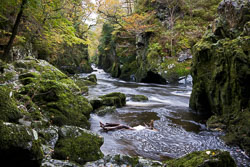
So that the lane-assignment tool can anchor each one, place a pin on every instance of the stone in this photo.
(184, 55)
(19, 146)
(114, 99)
(105, 110)
(78, 145)
(208, 158)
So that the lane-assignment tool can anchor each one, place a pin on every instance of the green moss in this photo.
(220, 72)
(128, 69)
(139, 98)
(209, 158)
(81, 149)
(8, 106)
(173, 70)
(18, 146)
(115, 70)
(82, 85)
(53, 92)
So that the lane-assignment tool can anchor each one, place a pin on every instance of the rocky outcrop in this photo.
(42, 117)
(221, 73)
(208, 158)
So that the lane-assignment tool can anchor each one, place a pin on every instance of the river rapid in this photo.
(179, 130)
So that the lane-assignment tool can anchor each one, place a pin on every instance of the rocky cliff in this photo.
(221, 73)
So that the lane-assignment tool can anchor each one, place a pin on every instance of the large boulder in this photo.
(19, 146)
(56, 96)
(209, 158)
(221, 73)
(78, 145)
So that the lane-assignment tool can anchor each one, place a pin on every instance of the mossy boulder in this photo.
(114, 99)
(221, 73)
(57, 96)
(78, 145)
(139, 98)
(96, 103)
(209, 158)
(59, 103)
(19, 146)
(8, 106)
(105, 110)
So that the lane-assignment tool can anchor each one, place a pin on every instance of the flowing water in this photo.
(178, 129)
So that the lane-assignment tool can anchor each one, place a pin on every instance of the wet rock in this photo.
(186, 80)
(184, 55)
(114, 99)
(58, 163)
(139, 98)
(123, 161)
(96, 103)
(105, 110)
(209, 158)
(92, 78)
(19, 146)
(78, 145)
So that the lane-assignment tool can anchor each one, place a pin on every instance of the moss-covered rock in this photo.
(105, 110)
(139, 98)
(114, 99)
(19, 146)
(209, 158)
(124, 160)
(56, 96)
(8, 106)
(96, 103)
(221, 73)
(78, 145)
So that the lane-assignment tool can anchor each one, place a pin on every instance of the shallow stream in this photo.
(179, 130)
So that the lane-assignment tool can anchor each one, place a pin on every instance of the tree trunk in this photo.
(14, 32)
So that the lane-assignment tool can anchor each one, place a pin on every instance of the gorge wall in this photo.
(221, 73)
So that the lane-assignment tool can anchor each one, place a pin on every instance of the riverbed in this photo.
(178, 130)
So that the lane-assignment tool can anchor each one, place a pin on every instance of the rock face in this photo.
(221, 72)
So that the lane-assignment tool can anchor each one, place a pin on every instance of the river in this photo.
(179, 130)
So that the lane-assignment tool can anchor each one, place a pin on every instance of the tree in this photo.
(173, 7)
(14, 31)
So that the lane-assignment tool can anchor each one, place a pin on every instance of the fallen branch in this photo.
(112, 126)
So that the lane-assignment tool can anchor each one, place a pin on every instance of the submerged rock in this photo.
(139, 98)
(19, 146)
(209, 158)
(105, 110)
